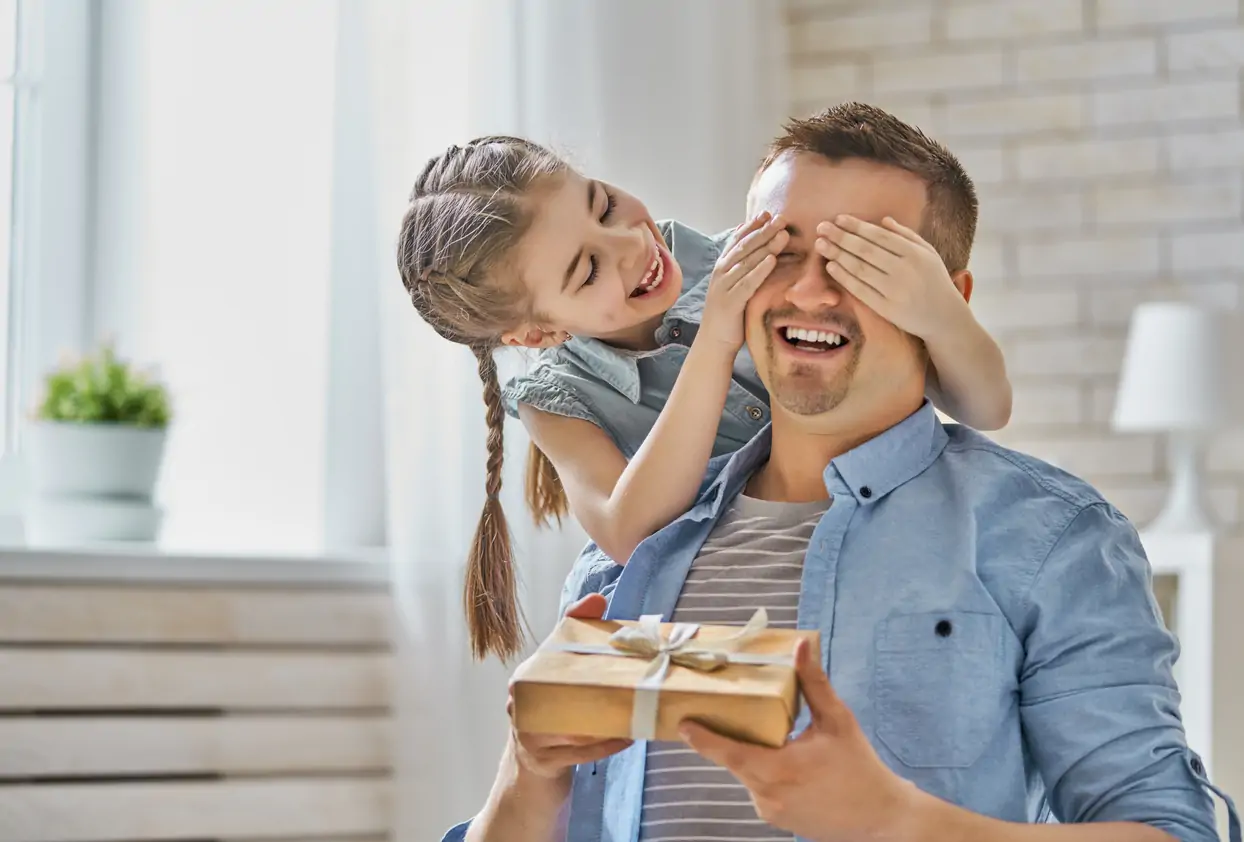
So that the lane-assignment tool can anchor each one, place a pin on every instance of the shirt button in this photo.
(866, 492)
(755, 413)
(1198, 766)
(943, 628)
(675, 332)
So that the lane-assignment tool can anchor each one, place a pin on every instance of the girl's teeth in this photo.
(652, 279)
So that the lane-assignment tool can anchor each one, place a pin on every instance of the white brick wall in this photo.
(1107, 140)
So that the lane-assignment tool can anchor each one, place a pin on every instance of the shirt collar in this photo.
(884, 462)
(868, 472)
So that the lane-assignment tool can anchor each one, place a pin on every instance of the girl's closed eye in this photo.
(611, 202)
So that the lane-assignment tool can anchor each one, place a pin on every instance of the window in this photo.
(213, 243)
(203, 217)
(18, 122)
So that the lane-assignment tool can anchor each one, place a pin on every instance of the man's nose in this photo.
(814, 289)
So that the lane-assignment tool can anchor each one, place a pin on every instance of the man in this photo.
(991, 653)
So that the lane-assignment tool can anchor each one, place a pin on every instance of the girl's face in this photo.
(593, 264)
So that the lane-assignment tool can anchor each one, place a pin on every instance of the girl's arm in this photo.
(620, 504)
(967, 375)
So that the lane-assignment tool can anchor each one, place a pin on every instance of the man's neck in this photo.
(802, 448)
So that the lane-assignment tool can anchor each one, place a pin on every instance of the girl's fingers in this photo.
(754, 240)
(750, 282)
(906, 233)
(865, 294)
(756, 222)
(882, 259)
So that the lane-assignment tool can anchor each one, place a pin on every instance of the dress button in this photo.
(943, 628)
(675, 332)
(755, 413)
(866, 492)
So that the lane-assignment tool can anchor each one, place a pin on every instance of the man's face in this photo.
(874, 365)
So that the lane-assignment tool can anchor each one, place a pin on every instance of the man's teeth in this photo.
(654, 275)
(821, 336)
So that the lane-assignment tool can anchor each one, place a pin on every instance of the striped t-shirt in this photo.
(753, 558)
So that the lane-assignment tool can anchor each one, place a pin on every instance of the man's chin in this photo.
(809, 399)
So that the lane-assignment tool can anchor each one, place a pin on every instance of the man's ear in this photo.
(530, 336)
(963, 282)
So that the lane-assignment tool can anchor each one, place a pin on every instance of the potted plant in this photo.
(95, 447)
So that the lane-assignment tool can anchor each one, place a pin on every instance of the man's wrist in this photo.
(523, 804)
(518, 783)
(922, 817)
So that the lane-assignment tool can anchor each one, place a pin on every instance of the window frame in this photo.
(53, 183)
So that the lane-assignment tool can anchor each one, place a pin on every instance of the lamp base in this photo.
(1183, 511)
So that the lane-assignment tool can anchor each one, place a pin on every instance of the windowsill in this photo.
(153, 563)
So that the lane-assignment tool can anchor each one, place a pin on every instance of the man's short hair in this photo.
(855, 130)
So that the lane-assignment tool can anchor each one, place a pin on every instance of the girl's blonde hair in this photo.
(468, 210)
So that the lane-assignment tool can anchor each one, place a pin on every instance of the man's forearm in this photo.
(522, 808)
(934, 820)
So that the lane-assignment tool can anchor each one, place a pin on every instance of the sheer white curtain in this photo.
(672, 100)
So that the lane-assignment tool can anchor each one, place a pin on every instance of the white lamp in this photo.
(1172, 382)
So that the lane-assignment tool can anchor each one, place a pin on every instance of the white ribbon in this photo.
(645, 641)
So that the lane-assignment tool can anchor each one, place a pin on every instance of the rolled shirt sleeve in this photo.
(1098, 701)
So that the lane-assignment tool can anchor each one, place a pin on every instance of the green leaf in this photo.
(103, 389)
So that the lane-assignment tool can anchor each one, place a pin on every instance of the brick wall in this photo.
(1107, 140)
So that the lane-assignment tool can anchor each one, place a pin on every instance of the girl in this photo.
(640, 380)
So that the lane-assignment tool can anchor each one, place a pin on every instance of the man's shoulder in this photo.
(1031, 516)
(1012, 476)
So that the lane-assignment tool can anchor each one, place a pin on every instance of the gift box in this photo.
(640, 679)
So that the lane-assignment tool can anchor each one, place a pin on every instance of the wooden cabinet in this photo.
(139, 709)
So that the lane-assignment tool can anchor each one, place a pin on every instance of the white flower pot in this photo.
(78, 521)
(111, 460)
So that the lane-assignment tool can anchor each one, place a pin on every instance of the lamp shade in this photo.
(1172, 376)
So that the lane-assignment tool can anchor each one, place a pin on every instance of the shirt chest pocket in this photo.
(937, 681)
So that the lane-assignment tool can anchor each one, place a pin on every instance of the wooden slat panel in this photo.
(90, 614)
(33, 747)
(64, 679)
(231, 809)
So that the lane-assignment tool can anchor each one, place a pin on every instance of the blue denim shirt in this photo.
(1051, 697)
(623, 392)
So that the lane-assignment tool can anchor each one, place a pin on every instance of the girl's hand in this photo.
(742, 268)
(894, 272)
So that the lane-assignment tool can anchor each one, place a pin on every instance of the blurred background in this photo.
(213, 188)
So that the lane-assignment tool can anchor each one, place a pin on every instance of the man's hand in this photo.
(550, 756)
(893, 271)
(528, 798)
(827, 784)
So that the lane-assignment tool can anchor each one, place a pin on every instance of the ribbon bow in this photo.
(646, 641)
